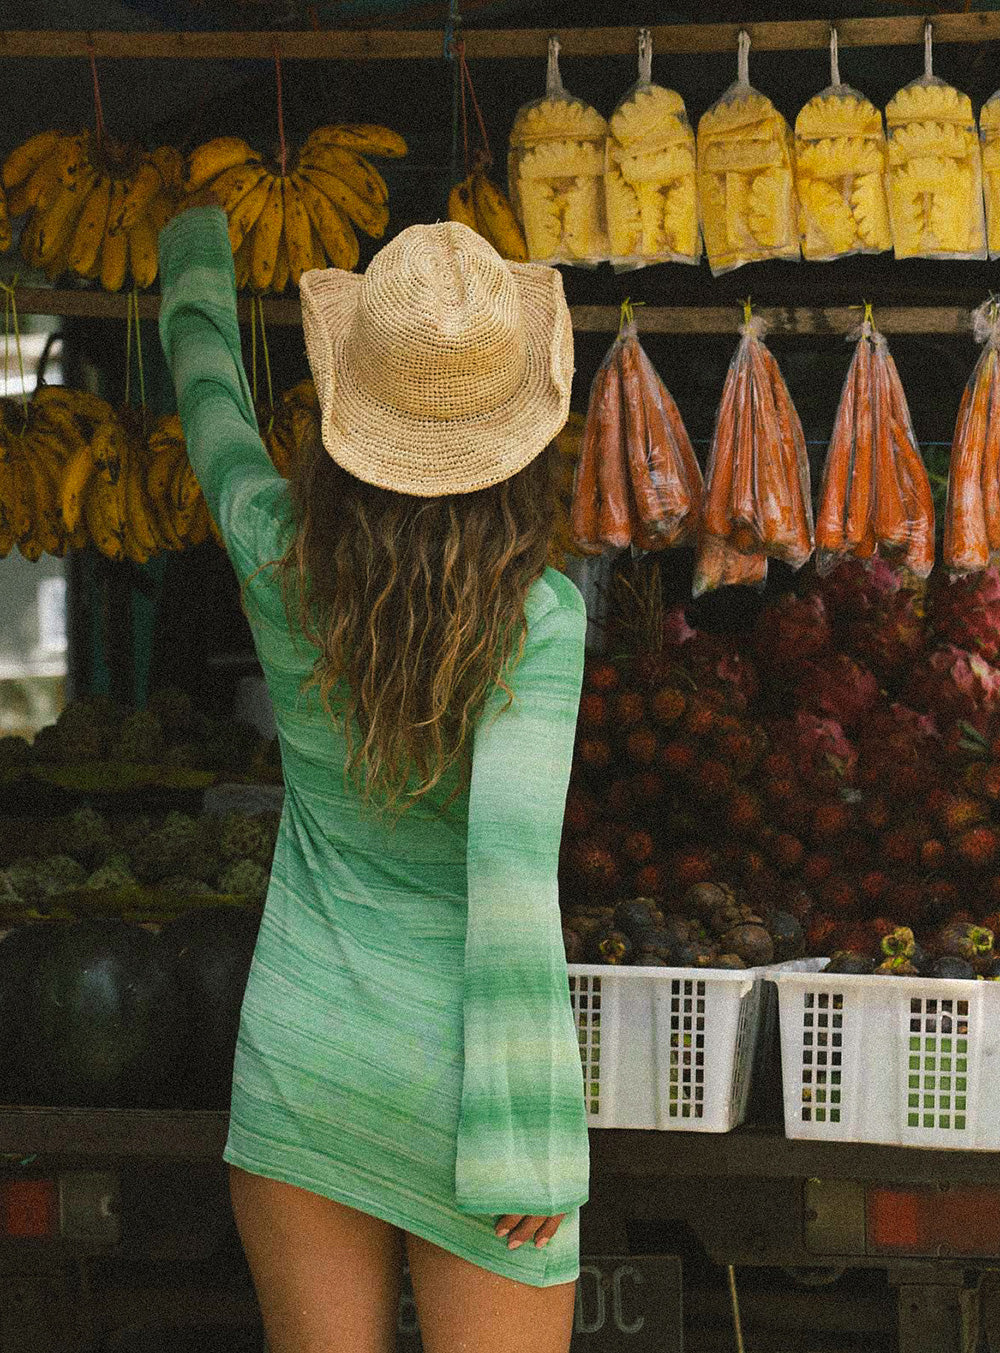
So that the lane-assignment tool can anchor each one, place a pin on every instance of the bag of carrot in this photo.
(972, 509)
(875, 494)
(637, 480)
(757, 495)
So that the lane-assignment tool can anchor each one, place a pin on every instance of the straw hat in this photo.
(443, 368)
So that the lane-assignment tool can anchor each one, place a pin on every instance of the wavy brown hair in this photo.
(417, 606)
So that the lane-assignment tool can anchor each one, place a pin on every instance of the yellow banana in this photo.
(57, 222)
(6, 512)
(372, 218)
(39, 185)
(24, 159)
(183, 496)
(75, 158)
(318, 251)
(366, 137)
(241, 264)
(232, 186)
(143, 258)
(244, 218)
(140, 537)
(496, 219)
(266, 235)
(334, 230)
(89, 229)
(461, 207)
(352, 168)
(161, 462)
(170, 162)
(48, 523)
(104, 513)
(206, 162)
(114, 248)
(160, 210)
(282, 268)
(75, 477)
(298, 234)
(200, 524)
(147, 182)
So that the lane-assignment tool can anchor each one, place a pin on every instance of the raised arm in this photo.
(522, 1140)
(200, 335)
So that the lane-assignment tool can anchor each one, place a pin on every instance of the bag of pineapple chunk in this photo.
(649, 176)
(745, 190)
(989, 137)
(555, 167)
(840, 163)
(935, 170)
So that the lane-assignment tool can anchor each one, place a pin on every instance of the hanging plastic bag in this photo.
(746, 193)
(875, 495)
(972, 509)
(637, 480)
(556, 174)
(840, 165)
(935, 170)
(757, 496)
(989, 137)
(649, 178)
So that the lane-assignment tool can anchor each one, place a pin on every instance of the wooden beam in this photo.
(423, 44)
(653, 319)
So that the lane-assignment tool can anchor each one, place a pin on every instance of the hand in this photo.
(539, 1229)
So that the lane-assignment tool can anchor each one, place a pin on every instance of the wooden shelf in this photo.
(498, 43)
(665, 319)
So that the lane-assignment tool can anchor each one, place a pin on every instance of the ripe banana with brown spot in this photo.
(371, 217)
(232, 186)
(366, 137)
(114, 248)
(244, 217)
(170, 162)
(207, 161)
(334, 230)
(90, 226)
(40, 184)
(161, 463)
(47, 526)
(148, 181)
(266, 237)
(461, 206)
(496, 220)
(140, 537)
(297, 240)
(24, 159)
(75, 478)
(143, 257)
(351, 168)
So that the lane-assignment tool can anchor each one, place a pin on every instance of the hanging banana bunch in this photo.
(96, 204)
(179, 512)
(283, 223)
(296, 414)
(478, 203)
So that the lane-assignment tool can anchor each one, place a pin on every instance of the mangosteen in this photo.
(961, 939)
(731, 915)
(725, 961)
(751, 942)
(678, 930)
(947, 965)
(990, 970)
(920, 959)
(636, 916)
(787, 936)
(687, 955)
(646, 960)
(656, 940)
(584, 920)
(573, 944)
(608, 945)
(897, 967)
(703, 899)
(846, 962)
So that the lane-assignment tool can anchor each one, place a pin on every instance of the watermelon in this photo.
(105, 1020)
(211, 948)
(20, 951)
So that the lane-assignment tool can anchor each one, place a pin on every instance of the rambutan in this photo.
(628, 709)
(960, 812)
(787, 851)
(638, 847)
(933, 854)
(941, 899)
(874, 885)
(602, 677)
(876, 813)
(650, 881)
(777, 766)
(618, 798)
(581, 810)
(854, 937)
(595, 752)
(678, 756)
(854, 852)
(667, 704)
(641, 746)
(837, 894)
(990, 788)
(819, 935)
(691, 864)
(900, 845)
(700, 717)
(830, 819)
(713, 779)
(905, 900)
(778, 791)
(816, 868)
(595, 867)
(881, 926)
(648, 788)
(977, 848)
(744, 811)
(593, 710)
(740, 749)
(753, 863)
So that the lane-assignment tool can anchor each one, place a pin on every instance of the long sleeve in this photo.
(200, 335)
(522, 1139)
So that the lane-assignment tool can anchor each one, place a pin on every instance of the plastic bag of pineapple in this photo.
(745, 189)
(935, 170)
(989, 137)
(840, 167)
(555, 168)
(649, 175)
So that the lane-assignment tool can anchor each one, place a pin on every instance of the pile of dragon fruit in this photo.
(839, 762)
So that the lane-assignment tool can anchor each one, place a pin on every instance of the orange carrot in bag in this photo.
(649, 508)
(794, 465)
(613, 525)
(719, 477)
(586, 487)
(673, 465)
(915, 485)
(990, 476)
(889, 517)
(831, 519)
(743, 498)
(966, 544)
(772, 511)
(859, 536)
(718, 564)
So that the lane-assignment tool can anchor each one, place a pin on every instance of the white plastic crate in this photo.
(668, 1048)
(905, 1061)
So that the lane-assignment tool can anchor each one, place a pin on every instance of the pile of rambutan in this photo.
(839, 761)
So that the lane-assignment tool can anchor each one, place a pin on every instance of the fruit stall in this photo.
(780, 497)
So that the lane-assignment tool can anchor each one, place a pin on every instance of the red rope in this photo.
(460, 49)
(281, 116)
(467, 80)
(313, 17)
(99, 113)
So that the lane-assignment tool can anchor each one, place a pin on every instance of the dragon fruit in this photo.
(836, 688)
(856, 587)
(953, 684)
(889, 636)
(966, 612)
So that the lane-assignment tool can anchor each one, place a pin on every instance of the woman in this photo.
(407, 1070)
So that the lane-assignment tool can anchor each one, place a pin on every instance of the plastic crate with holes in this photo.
(905, 1061)
(668, 1048)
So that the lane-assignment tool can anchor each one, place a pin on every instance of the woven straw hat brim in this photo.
(393, 449)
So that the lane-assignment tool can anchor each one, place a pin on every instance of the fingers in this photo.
(520, 1229)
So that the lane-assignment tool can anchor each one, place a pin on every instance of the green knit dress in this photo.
(407, 1043)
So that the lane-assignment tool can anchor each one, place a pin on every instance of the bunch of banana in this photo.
(179, 510)
(96, 205)
(296, 417)
(282, 224)
(478, 203)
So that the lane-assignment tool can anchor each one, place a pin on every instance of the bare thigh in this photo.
(327, 1277)
(463, 1308)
